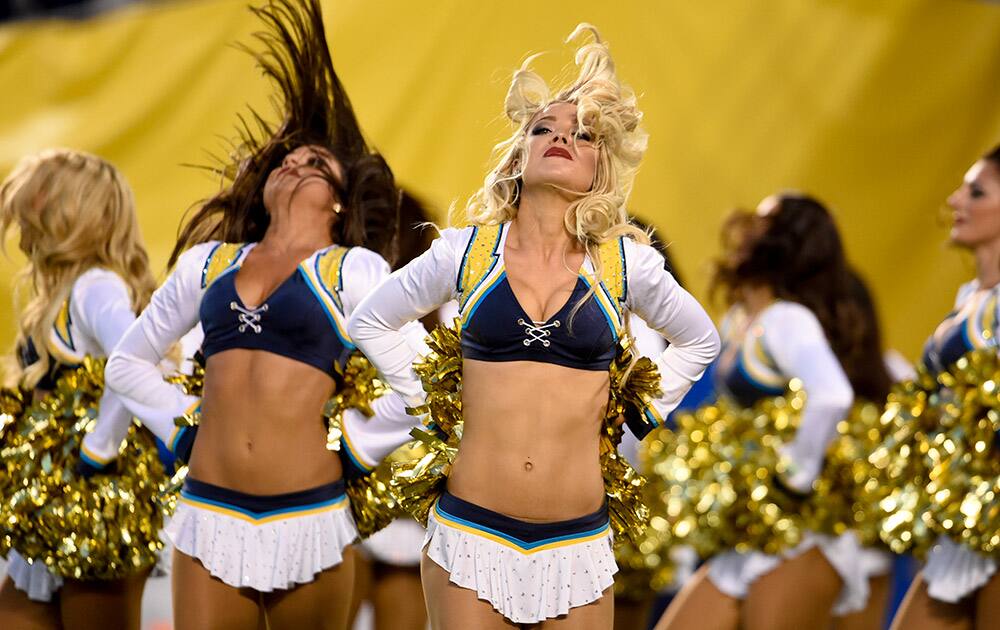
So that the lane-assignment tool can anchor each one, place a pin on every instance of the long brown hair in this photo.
(870, 378)
(993, 155)
(800, 256)
(317, 111)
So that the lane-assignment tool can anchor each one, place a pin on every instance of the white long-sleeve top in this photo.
(434, 279)
(174, 310)
(95, 317)
(793, 339)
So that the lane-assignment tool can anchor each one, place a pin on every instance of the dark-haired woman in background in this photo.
(272, 267)
(959, 587)
(388, 563)
(787, 279)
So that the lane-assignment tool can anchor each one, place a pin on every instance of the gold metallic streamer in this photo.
(373, 504)
(358, 385)
(645, 567)
(105, 527)
(961, 456)
(715, 474)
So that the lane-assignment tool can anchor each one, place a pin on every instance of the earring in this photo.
(337, 208)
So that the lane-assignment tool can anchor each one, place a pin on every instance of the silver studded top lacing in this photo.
(537, 331)
(249, 317)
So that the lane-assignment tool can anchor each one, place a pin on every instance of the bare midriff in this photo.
(530, 446)
(262, 428)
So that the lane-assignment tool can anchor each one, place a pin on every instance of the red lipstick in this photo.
(557, 151)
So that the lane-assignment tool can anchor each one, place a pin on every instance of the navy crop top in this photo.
(496, 328)
(301, 319)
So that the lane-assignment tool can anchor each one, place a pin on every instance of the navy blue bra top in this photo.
(745, 371)
(971, 326)
(496, 328)
(302, 319)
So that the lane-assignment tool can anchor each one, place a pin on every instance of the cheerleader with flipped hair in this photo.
(272, 266)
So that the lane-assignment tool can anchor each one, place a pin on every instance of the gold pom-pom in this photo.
(105, 527)
(11, 407)
(961, 456)
(358, 385)
(844, 495)
(898, 474)
(634, 382)
(373, 502)
(440, 373)
(645, 566)
(419, 481)
(716, 476)
(193, 384)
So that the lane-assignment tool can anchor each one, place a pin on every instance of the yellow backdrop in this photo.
(876, 107)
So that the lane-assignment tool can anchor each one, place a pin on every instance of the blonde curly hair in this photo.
(607, 110)
(74, 212)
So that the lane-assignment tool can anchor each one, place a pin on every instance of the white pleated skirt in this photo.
(528, 572)
(33, 578)
(954, 571)
(733, 573)
(267, 543)
(398, 544)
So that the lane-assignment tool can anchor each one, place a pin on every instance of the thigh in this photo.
(799, 593)
(398, 598)
(102, 604)
(873, 616)
(362, 591)
(632, 614)
(324, 603)
(18, 611)
(988, 605)
(451, 607)
(701, 606)
(597, 615)
(202, 601)
(920, 610)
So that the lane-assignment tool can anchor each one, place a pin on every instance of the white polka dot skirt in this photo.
(263, 542)
(529, 572)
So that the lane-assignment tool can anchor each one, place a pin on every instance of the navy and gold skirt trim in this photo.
(519, 535)
(263, 508)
